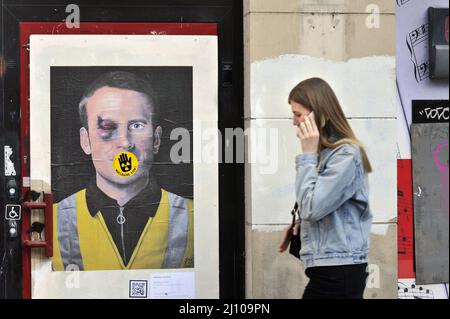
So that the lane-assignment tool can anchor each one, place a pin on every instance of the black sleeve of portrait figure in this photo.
(72, 170)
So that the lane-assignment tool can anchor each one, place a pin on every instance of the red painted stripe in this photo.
(405, 219)
(24, 158)
(199, 29)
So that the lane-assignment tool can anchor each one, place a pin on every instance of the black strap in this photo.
(293, 212)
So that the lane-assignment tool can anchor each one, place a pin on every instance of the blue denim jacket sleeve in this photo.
(321, 194)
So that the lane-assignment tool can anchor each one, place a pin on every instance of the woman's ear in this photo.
(323, 121)
(84, 141)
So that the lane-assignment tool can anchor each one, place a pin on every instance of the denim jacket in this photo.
(333, 206)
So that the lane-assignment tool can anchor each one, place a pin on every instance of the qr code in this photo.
(138, 288)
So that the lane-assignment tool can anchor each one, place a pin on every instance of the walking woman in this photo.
(332, 192)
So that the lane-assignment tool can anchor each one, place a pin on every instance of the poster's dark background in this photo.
(71, 169)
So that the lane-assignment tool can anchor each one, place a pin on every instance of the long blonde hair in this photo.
(317, 96)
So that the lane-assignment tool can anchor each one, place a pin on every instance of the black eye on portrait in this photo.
(106, 128)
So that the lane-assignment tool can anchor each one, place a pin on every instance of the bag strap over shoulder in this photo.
(294, 213)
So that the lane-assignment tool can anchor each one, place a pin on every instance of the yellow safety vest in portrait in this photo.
(82, 241)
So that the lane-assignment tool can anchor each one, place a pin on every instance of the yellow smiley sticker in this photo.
(125, 164)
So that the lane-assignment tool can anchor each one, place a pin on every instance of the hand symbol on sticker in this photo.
(125, 162)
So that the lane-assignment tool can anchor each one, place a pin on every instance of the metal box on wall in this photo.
(438, 45)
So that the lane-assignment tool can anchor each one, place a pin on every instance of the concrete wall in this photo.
(288, 41)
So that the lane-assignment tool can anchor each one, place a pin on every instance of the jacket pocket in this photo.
(334, 237)
(313, 236)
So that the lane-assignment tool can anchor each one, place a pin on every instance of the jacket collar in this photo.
(96, 200)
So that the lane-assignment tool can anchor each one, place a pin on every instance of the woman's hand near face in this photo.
(309, 135)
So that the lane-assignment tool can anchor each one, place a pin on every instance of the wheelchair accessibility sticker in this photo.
(13, 212)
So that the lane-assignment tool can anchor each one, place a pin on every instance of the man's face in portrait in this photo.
(120, 120)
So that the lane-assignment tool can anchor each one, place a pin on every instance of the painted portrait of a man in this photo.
(105, 220)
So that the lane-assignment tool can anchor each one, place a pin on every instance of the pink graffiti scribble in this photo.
(443, 168)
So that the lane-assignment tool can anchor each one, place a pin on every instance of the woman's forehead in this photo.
(297, 107)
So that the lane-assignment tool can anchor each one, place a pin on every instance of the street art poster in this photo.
(409, 289)
(413, 69)
(105, 115)
(110, 179)
(431, 207)
(430, 111)
(419, 102)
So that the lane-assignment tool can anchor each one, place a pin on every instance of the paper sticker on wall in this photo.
(98, 108)
(179, 285)
(138, 289)
(431, 209)
(413, 66)
(9, 165)
(12, 212)
(125, 164)
(430, 111)
(408, 289)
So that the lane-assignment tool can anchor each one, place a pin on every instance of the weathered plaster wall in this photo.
(286, 42)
